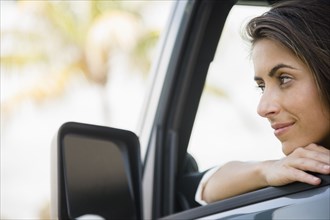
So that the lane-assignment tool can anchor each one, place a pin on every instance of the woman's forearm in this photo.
(234, 178)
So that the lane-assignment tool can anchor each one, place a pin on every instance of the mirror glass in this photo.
(95, 176)
(99, 173)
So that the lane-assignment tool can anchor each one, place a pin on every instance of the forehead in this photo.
(268, 53)
(266, 48)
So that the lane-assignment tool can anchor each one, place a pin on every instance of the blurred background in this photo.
(88, 61)
(85, 61)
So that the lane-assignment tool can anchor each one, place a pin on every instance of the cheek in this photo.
(311, 116)
(296, 103)
(306, 102)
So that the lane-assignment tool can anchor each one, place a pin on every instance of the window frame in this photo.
(194, 49)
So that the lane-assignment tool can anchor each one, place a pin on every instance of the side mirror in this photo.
(96, 171)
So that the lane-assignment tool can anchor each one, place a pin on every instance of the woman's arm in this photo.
(232, 179)
(237, 177)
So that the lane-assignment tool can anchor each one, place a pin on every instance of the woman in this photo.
(291, 56)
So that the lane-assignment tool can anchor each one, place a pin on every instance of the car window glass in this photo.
(227, 126)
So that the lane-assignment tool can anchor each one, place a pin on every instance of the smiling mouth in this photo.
(281, 128)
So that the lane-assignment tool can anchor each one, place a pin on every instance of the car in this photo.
(112, 173)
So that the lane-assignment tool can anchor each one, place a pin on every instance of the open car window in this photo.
(227, 126)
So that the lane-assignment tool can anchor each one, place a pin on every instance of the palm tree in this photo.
(70, 39)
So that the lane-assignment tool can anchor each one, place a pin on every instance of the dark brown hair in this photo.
(303, 26)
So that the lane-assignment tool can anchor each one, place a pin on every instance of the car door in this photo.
(198, 28)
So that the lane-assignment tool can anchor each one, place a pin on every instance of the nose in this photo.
(268, 105)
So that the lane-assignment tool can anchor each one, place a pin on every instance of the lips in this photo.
(281, 128)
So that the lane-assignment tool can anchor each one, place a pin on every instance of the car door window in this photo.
(227, 126)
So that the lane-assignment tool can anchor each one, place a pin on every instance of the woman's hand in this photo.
(294, 167)
(236, 177)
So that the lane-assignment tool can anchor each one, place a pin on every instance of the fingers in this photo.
(288, 170)
(313, 152)
(313, 158)
(309, 164)
(318, 148)
(301, 176)
(295, 166)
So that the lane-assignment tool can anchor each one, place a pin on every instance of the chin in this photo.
(289, 146)
(286, 150)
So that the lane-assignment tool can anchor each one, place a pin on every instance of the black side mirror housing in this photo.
(96, 170)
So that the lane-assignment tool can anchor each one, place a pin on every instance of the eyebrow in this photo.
(274, 70)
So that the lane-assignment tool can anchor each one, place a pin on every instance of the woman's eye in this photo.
(261, 86)
(284, 79)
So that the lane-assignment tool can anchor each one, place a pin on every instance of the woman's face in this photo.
(290, 99)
